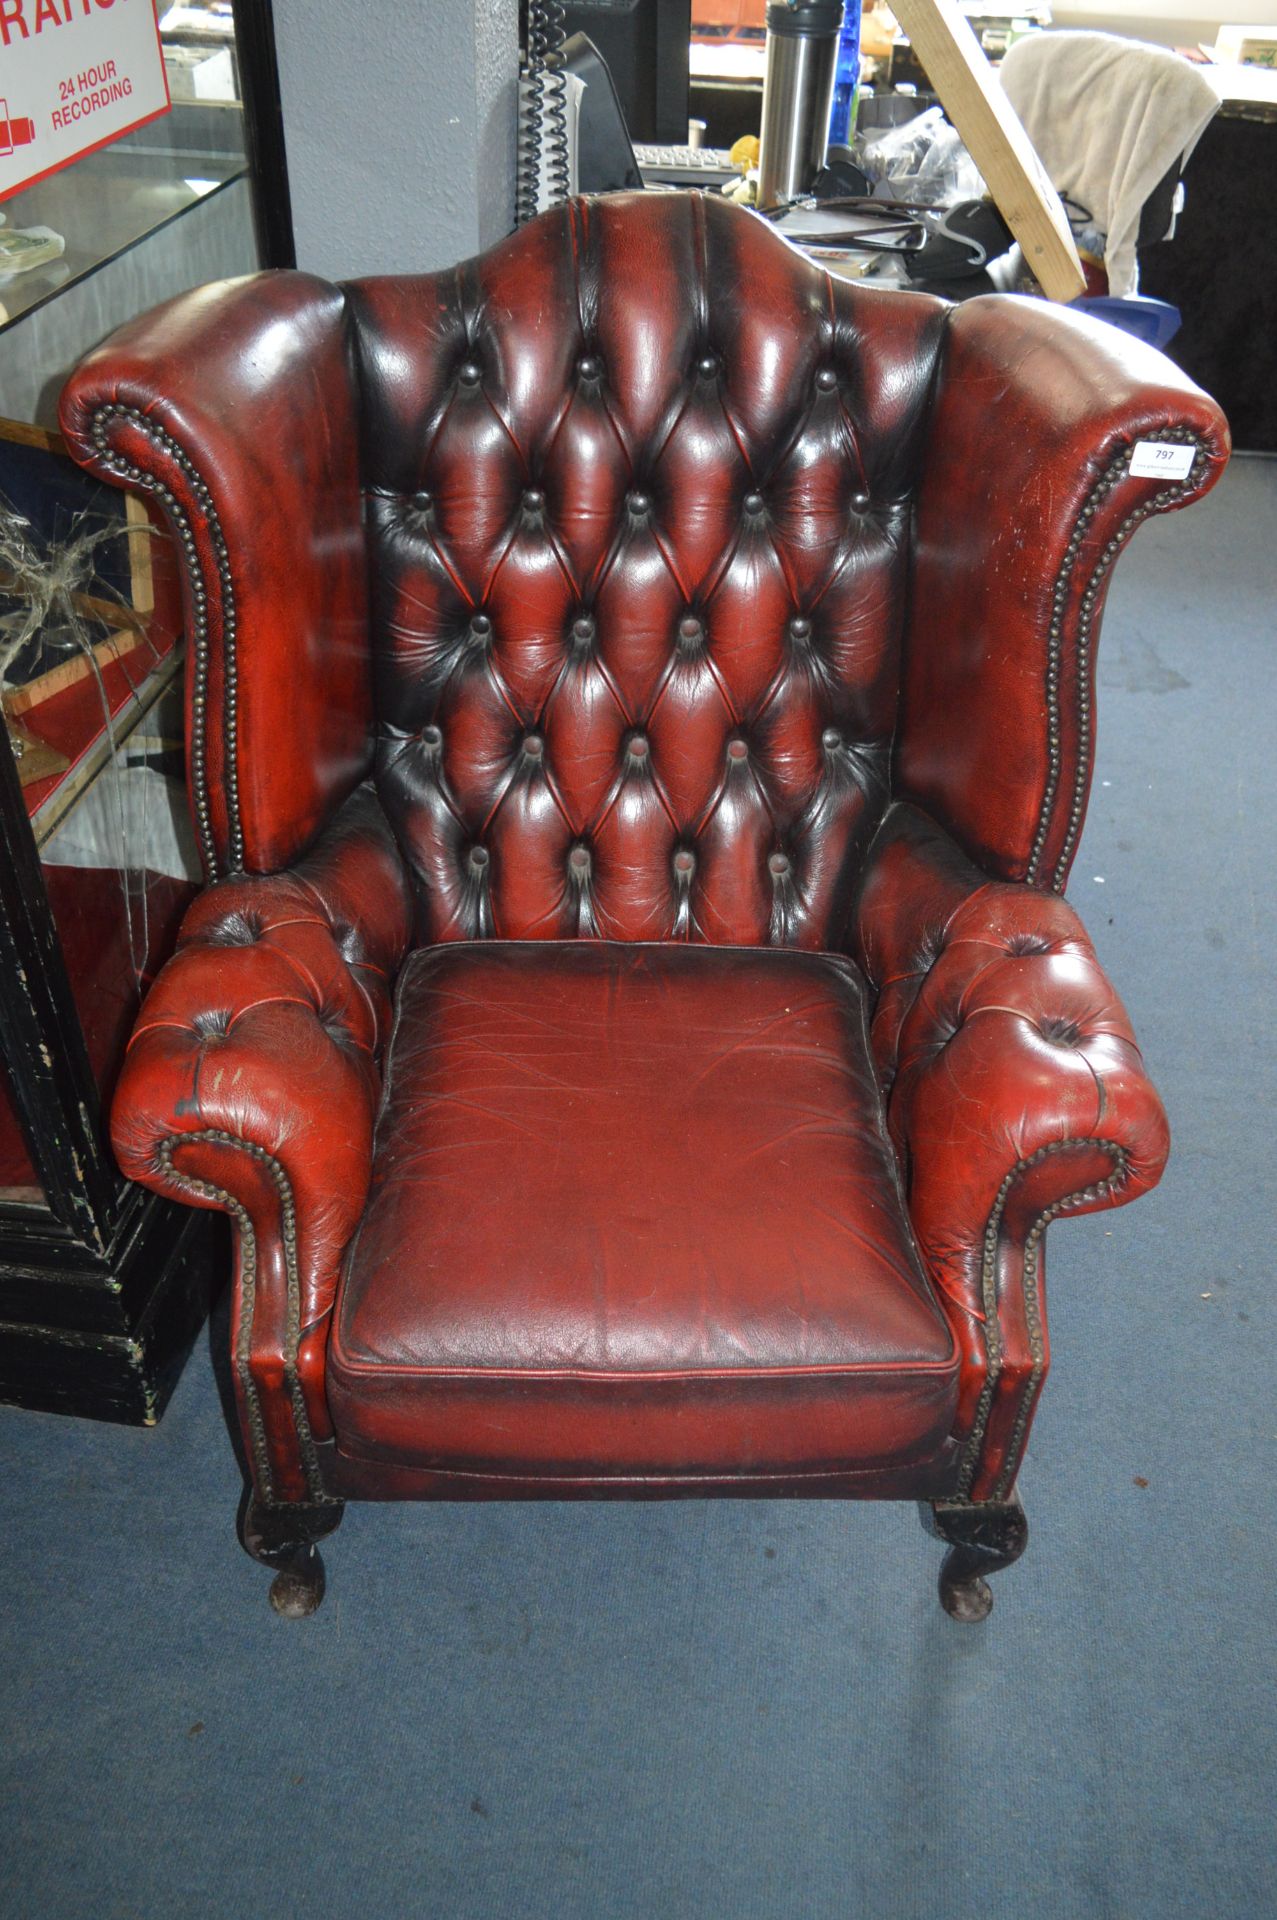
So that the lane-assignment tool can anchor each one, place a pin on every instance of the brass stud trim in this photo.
(187, 1184)
(991, 1333)
(1115, 472)
(201, 592)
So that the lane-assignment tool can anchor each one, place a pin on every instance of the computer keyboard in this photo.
(685, 166)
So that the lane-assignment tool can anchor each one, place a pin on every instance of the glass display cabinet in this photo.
(102, 1287)
(182, 198)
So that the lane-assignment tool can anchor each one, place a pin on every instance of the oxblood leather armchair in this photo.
(661, 674)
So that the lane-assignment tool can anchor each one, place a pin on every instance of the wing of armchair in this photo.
(669, 672)
(233, 408)
(1028, 494)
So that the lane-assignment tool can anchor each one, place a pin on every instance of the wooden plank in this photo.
(22, 434)
(138, 520)
(36, 759)
(140, 524)
(972, 96)
(78, 667)
(53, 810)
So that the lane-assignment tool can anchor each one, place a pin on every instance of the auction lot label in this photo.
(74, 75)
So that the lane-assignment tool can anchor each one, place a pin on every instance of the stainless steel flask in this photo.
(798, 91)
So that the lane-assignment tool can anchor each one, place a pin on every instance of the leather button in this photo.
(690, 630)
(469, 373)
(431, 737)
(579, 861)
(480, 626)
(582, 631)
(478, 858)
(800, 627)
(831, 738)
(753, 503)
(826, 379)
(589, 367)
(778, 863)
(422, 502)
(639, 502)
(533, 746)
(638, 747)
(860, 501)
(707, 366)
(533, 500)
(237, 930)
(684, 861)
(737, 750)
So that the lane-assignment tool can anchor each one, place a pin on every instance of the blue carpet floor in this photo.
(758, 1711)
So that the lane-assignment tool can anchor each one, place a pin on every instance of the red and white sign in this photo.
(74, 75)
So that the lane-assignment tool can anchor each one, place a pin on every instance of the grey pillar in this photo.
(399, 125)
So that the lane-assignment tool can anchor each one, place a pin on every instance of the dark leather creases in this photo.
(637, 581)
(580, 1082)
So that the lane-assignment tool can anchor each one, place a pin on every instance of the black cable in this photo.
(543, 126)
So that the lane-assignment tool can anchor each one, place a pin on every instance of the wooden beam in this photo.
(971, 94)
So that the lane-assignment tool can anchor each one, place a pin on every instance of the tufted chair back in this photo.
(639, 488)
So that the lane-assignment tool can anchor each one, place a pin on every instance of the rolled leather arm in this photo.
(1026, 499)
(1015, 1093)
(251, 1084)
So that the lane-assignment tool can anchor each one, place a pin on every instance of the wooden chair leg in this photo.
(284, 1538)
(982, 1539)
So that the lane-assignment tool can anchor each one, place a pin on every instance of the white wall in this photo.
(1169, 23)
(399, 126)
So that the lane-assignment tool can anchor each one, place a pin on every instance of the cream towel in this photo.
(1108, 117)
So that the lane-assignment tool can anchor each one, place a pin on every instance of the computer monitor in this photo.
(644, 43)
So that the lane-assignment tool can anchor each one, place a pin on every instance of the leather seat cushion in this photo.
(634, 1211)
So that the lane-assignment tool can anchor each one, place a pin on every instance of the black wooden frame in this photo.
(264, 131)
(103, 1288)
